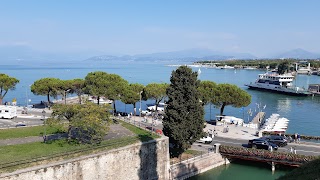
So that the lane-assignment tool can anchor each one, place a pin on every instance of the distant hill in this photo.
(298, 54)
(183, 55)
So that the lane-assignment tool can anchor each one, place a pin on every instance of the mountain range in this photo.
(298, 54)
(203, 54)
(20, 54)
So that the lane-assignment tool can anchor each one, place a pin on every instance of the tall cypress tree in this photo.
(183, 121)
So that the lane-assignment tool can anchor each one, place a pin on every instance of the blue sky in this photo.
(146, 26)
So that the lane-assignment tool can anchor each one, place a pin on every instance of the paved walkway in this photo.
(234, 132)
(14, 141)
(116, 131)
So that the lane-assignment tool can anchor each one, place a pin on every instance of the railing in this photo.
(190, 158)
(141, 124)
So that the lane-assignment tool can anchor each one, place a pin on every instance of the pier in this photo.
(258, 119)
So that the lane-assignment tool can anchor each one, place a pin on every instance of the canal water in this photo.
(243, 170)
(302, 112)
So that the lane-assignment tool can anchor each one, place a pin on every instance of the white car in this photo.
(206, 140)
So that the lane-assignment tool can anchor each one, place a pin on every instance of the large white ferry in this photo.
(274, 82)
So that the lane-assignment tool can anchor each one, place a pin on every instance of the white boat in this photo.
(102, 100)
(230, 119)
(274, 82)
(314, 89)
(250, 68)
(225, 67)
(275, 124)
(160, 107)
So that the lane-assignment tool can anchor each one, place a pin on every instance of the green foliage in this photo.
(206, 90)
(283, 67)
(96, 83)
(77, 86)
(100, 83)
(307, 171)
(143, 135)
(46, 86)
(183, 121)
(88, 123)
(131, 94)
(156, 91)
(228, 94)
(260, 63)
(6, 83)
(265, 154)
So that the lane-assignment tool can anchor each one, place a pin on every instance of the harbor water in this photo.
(301, 111)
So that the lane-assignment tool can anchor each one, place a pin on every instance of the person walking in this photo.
(294, 151)
(291, 150)
(270, 148)
(298, 138)
(295, 137)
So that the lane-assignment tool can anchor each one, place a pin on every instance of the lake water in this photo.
(302, 112)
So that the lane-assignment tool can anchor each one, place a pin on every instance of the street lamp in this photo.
(65, 95)
(45, 124)
(140, 110)
(140, 104)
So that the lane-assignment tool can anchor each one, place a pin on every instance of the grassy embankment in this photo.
(27, 132)
(24, 155)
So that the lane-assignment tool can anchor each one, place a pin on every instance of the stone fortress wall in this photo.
(148, 160)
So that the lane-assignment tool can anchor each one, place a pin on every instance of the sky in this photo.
(148, 26)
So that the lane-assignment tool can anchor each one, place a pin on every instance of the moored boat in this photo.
(275, 124)
(278, 83)
(314, 89)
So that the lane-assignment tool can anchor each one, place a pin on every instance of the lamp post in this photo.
(45, 124)
(140, 110)
(65, 95)
(27, 96)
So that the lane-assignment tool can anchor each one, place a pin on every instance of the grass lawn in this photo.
(23, 155)
(26, 132)
(141, 133)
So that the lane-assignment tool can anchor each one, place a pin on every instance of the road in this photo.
(302, 148)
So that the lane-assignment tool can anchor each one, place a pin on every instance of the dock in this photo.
(259, 118)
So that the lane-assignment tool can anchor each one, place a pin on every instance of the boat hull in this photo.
(279, 91)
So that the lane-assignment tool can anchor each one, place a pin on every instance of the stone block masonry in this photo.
(195, 166)
(148, 160)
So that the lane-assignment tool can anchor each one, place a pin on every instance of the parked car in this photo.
(20, 125)
(275, 139)
(261, 144)
(206, 140)
(146, 113)
(124, 114)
